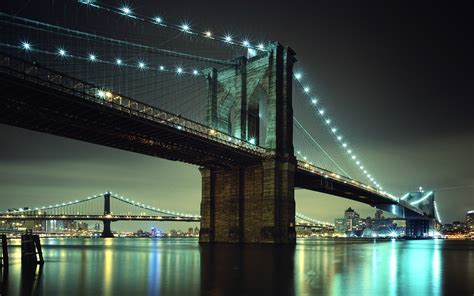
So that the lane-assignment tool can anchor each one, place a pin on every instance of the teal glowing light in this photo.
(422, 199)
(246, 43)
(92, 57)
(179, 70)
(185, 28)
(195, 72)
(141, 65)
(261, 46)
(252, 141)
(26, 46)
(118, 62)
(228, 38)
(61, 52)
(126, 10)
(158, 19)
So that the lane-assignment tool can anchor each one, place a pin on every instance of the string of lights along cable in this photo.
(94, 58)
(126, 10)
(333, 129)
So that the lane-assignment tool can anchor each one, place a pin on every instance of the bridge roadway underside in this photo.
(36, 107)
(315, 182)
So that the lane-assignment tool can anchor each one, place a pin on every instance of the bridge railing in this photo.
(340, 178)
(36, 73)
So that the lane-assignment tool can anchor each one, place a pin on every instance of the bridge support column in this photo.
(107, 232)
(253, 204)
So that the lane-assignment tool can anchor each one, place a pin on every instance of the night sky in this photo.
(398, 77)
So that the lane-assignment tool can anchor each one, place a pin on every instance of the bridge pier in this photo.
(253, 204)
(107, 231)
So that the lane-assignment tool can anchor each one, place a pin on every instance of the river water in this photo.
(145, 266)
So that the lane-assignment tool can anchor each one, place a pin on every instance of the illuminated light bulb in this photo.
(228, 38)
(344, 145)
(334, 129)
(108, 94)
(141, 65)
(246, 43)
(339, 138)
(162, 68)
(26, 46)
(314, 101)
(185, 28)
(158, 19)
(126, 10)
(365, 172)
(357, 162)
(179, 70)
(261, 46)
(61, 52)
(349, 151)
(306, 89)
(208, 34)
(100, 94)
(298, 76)
(328, 121)
(353, 157)
(118, 62)
(92, 57)
(195, 72)
(321, 111)
(252, 141)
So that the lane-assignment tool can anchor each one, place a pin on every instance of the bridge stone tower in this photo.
(252, 203)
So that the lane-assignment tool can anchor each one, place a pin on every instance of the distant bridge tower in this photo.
(107, 232)
(252, 202)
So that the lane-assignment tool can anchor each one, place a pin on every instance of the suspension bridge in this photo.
(242, 111)
(110, 207)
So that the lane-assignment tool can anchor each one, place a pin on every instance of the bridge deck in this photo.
(45, 103)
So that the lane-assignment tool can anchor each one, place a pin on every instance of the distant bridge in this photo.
(110, 207)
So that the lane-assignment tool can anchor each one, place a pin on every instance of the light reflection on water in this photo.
(182, 267)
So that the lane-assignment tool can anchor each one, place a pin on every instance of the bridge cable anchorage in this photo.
(333, 130)
(79, 34)
(185, 27)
